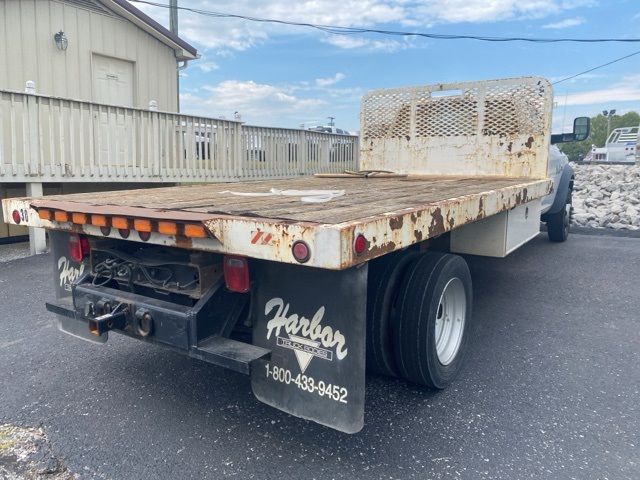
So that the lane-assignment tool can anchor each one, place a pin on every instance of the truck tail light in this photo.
(78, 247)
(360, 244)
(15, 215)
(301, 251)
(236, 273)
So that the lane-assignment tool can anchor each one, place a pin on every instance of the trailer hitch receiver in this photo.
(117, 318)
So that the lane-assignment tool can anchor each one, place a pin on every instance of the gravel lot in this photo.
(550, 389)
(607, 196)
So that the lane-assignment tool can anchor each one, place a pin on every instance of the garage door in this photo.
(112, 81)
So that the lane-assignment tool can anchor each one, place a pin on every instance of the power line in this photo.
(338, 30)
(596, 68)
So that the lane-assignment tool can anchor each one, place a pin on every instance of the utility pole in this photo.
(173, 26)
(608, 114)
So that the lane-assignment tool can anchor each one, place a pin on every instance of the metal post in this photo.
(173, 26)
(37, 238)
(32, 156)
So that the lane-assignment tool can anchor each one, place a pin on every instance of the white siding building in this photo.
(108, 52)
(114, 54)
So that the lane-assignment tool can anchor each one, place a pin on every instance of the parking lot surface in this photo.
(551, 388)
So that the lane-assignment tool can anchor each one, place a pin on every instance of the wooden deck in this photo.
(364, 198)
(391, 213)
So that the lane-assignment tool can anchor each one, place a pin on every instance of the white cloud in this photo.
(325, 82)
(566, 23)
(256, 102)
(235, 34)
(627, 90)
(474, 11)
(206, 66)
(367, 44)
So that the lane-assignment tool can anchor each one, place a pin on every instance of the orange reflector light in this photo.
(195, 230)
(44, 214)
(79, 218)
(120, 223)
(61, 216)
(99, 220)
(168, 228)
(142, 225)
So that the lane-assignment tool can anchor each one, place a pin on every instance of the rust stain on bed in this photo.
(437, 223)
(396, 222)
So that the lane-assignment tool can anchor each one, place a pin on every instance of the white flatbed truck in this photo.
(305, 283)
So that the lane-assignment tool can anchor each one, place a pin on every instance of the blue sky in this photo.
(287, 76)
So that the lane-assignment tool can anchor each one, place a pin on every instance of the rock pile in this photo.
(607, 196)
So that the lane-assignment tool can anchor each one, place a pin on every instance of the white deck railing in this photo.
(52, 139)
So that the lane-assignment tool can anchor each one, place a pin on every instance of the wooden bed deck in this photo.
(391, 213)
(364, 198)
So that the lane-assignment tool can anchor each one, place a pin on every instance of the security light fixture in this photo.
(62, 42)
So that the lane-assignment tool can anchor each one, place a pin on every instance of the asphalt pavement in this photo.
(550, 390)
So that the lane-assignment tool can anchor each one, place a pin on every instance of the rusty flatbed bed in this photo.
(392, 213)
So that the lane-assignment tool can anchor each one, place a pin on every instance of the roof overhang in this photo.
(183, 50)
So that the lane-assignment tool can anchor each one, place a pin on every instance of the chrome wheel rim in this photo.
(450, 320)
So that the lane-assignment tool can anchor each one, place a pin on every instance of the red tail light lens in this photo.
(16, 217)
(236, 273)
(301, 251)
(360, 244)
(78, 247)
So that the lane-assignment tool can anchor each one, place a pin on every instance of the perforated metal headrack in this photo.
(495, 127)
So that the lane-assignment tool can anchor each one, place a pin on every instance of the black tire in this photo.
(558, 224)
(417, 309)
(385, 277)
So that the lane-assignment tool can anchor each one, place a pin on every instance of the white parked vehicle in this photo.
(329, 129)
(620, 147)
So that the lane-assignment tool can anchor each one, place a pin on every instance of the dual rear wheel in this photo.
(418, 316)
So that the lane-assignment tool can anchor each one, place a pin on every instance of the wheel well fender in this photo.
(564, 187)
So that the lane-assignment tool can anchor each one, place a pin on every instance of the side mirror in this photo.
(581, 129)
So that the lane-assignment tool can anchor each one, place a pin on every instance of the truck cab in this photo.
(556, 207)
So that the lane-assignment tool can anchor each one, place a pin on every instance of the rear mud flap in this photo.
(313, 321)
(66, 273)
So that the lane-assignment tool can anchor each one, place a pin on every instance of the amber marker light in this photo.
(168, 228)
(44, 214)
(194, 230)
(99, 220)
(121, 223)
(61, 216)
(142, 225)
(79, 218)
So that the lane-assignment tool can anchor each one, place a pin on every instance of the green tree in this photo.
(598, 135)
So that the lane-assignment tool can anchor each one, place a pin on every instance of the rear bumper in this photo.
(101, 309)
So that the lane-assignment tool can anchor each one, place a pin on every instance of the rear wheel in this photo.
(433, 319)
(385, 277)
